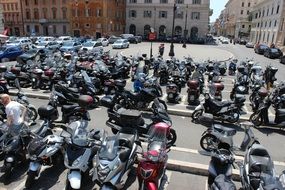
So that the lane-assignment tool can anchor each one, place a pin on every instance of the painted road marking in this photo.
(206, 185)
(20, 186)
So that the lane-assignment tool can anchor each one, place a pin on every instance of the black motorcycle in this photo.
(232, 67)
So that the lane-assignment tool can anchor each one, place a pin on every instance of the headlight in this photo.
(146, 173)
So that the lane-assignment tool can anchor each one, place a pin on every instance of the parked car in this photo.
(51, 45)
(10, 53)
(225, 41)
(44, 39)
(139, 39)
(282, 59)
(273, 53)
(130, 37)
(260, 48)
(249, 45)
(70, 46)
(62, 39)
(92, 46)
(121, 43)
(104, 41)
(32, 54)
(19, 42)
(242, 42)
(112, 39)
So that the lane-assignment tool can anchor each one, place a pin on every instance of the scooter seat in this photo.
(126, 140)
(226, 130)
(69, 108)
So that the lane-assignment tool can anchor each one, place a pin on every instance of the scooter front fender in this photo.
(34, 166)
(151, 186)
(200, 107)
(74, 178)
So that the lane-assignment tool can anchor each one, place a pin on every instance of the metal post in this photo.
(185, 28)
(171, 52)
(151, 49)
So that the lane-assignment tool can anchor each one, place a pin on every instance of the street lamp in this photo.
(185, 28)
(171, 52)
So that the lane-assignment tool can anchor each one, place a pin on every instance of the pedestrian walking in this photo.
(161, 49)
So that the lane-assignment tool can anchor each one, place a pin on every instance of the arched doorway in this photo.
(132, 29)
(162, 32)
(194, 33)
(178, 31)
(146, 30)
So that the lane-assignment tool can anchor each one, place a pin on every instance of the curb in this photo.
(194, 168)
(31, 95)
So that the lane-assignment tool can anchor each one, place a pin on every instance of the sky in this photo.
(217, 6)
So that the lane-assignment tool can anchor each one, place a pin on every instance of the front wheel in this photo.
(234, 116)
(32, 113)
(30, 179)
(162, 105)
(209, 142)
(256, 119)
(196, 114)
(171, 138)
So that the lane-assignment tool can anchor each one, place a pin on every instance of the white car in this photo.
(20, 42)
(225, 41)
(62, 39)
(121, 43)
(92, 46)
(104, 41)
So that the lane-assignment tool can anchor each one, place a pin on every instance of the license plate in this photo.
(192, 97)
(170, 95)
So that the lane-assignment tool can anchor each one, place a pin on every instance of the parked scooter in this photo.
(220, 170)
(173, 90)
(219, 136)
(232, 67)
(3, 82)
(216, 89)
(195, 87)
(151, 167)
(225, 111)
(257, 171)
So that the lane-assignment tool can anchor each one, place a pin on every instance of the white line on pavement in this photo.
(20, 186)
(206, 184)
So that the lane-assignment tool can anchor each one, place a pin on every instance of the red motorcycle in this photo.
(152, 166)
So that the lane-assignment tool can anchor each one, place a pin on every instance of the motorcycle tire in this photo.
(195, 115)
(30, 179)
(114, 131)
(256, 119)
(8, 171)
(207, 146)
(171, 138)
(161, 103)
(32, 113)
(235, 119)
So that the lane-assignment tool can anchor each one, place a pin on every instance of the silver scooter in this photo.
(43, 151)
(219, 136)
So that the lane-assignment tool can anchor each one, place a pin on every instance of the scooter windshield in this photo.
(270, 182)
(109, 148)
(80, 134)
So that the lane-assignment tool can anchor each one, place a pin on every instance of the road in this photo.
(189, 134)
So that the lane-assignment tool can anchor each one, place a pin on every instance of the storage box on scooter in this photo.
(48, 112)
(206, 119)
(129, 117)
(107, 101)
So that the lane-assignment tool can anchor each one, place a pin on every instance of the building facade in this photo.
(1, 20)
(97, 17)
(268, 22)
(12, 17)
(191, 20)
(238, 14)
(45, 17)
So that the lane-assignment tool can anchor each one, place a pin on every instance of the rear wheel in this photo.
(256, 119)
(171, 138)
(30, 179)
(196, 114)
(209, 142)
(162, 105)
(32, 113)
(234, 116)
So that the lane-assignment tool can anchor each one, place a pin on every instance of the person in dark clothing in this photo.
(161, 49)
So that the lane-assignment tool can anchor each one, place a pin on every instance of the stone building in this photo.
(268, 22)
(97, 17)
(191, 20)
(238, 18)
(12, 17)
(45, 17)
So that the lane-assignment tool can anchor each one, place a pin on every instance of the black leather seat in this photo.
(240, 98)
(226, 130)
(73, 90)
(69, 108)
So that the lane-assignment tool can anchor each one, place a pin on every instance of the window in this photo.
(98, 12)
(269, 23)
(133, 1)
(265, 24)
(195, 16)
(162, 14)
(53, 2)
(28, 29)
(163, 1)
(147, 14)
(275, 23)
(241, 12)
(37, 29)
(36, 2)
(88, 12)
(64, 11)
(247, 12)
(45, 13)
(132, 13)
(242, 4)
(54, 13)
(267, 11)
(147, 1)
(8, 7)
(36, 14)
(12, 7)
(28, 15)
(180, 1)
(196, 2)
(257, 24)
(54, 29)
(64, 31)
(179, 15)
(256, 15)
(4, 7)
(87, 25)
(27, 4)
(248, 4)
(16, 6)
(277, 10)
(263, 13)
(272, 10)
(243, 26)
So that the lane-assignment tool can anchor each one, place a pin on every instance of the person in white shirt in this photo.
(15, 113)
